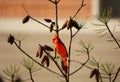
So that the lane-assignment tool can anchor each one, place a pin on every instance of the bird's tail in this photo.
(64, 65)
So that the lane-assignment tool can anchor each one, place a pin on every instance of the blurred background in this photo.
(32, 33)
(43, 8)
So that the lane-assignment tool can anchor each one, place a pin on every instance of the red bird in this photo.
(61, 50)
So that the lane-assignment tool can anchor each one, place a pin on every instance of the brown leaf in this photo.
(97, 76)
(11, 39)
(51, 27)
(48, 48)
(93, 72)
(75, 24)
(48, 20)
(26, 19)
(39, 52)
(53, 23)
(64, 25)
(69, 23)
(45, 60)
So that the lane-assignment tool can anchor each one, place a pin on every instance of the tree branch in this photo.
(82, 64)
(118, 71)
(31, 77)
(35, 60)
(112, 35)
(41, 23)
(81, 6)
(58, 66)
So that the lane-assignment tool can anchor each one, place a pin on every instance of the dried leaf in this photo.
(94, 71)
(75, 24)
(39, 52)
(26, 19)
(97, 76)
(45, 59)
(11, 39)
(69, 23)
(65, 24)
(48, 48)
(47, 62)
(51, 27)
(53, 23)
(48, 20)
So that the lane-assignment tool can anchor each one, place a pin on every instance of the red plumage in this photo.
(61, 50)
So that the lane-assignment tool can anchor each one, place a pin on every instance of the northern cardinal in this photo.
(61, 50)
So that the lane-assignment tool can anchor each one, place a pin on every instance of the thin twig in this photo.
(69, 53)
(75, 33)
(118, 71)
(83, 63)
(56, 15)
(24, 8)
(112, 35)
(36, 61)
(99, 77)
(31, 77)
(58, 66)
(81, 6)
(41, 23)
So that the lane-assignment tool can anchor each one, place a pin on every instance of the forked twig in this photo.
(81, 6)
(88, 55)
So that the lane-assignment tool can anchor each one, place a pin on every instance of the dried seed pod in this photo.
(26, 19)
(75, 24)
(53, 23)
(69, 24)
(48, 48)
(39, 52)
(48, 20)
(51, 27)
(11, 39)
(97, 76)
(64, 25)
(47, 62)
(45, 59)
(93, 72)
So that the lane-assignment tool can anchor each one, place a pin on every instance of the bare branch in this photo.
(41, 23)
(81, 6)
(35, 60)
(82, 64)
(58, 66)
(24, 8)
(106, 24)
(118, 71)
